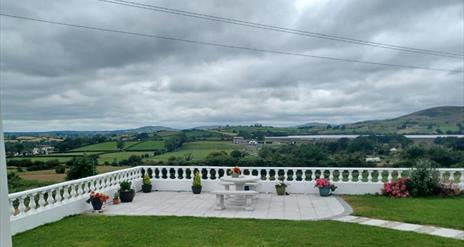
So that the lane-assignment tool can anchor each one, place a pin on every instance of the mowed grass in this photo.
(199, 150)
(104, 146)
(50, 176)
(446, 212)
(147, 146)
(118, 156)
(140, 231)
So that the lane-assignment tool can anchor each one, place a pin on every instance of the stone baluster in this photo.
(32, 203)
(442, 176)
(379, 176)
(350, 176)
(42, 201)
(399, 174)
(21, 206)
(50, 200)
(66, 195)
(80, 192)
(90, 185)
(313, 175)
(360, 176)
(12, 208)
(451, 176)
(58, 197)
(303, 175)
(331, 176)
(369, 176)
(390, 177)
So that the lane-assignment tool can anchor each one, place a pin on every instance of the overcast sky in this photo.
(56, 77)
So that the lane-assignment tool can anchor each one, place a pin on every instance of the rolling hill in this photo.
(437, 120)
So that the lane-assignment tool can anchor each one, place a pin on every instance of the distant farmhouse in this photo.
(242, 141)
(42, 150)
(239, 140)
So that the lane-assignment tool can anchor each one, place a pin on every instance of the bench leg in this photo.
(252, 187)
(220, 202)
(227, 187)
(249, 202)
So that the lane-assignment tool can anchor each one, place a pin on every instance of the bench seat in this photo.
(221, 193)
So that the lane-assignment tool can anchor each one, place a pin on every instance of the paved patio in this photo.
(267, 206)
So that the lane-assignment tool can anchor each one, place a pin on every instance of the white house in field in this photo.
(42, 150)
(373, 159)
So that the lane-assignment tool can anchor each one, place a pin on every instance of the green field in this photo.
(71, 154)
(104, 147)
(43, 158)
(147, 146)
(118, 156)
(199, 149)
(102, 231)
(446, 212)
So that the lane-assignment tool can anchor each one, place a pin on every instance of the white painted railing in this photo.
(300, 179)
(38, 206)
(297, 174)
(35, 207)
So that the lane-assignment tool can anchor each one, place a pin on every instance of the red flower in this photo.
(235, 170)
(396, 188)
(322, 182)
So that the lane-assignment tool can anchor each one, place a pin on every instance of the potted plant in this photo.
(126, 193)
(235, 172)
(116, 200)
(280, 188)
(97, 199)
(325, 187)
(196, 185)
(146, 186)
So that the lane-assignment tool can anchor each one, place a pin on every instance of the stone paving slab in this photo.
(424, 229)
(266, 206)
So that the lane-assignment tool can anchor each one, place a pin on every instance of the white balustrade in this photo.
(350, 180)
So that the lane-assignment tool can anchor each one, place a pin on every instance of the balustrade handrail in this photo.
(71, 182)
(299, 168)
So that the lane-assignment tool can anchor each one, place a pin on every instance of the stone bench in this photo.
(251, 186)
(248, 194)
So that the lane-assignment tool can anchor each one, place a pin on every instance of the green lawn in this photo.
(446, 212)
(115, 231)
(104, 146)
(200, 149)
(147, 146)
(118, 156)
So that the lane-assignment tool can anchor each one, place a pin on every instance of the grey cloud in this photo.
(65, 78)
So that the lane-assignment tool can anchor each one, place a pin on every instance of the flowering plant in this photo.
(235, 170)
(398, 188)
(281, 184)
(98, 196)
(324, 183)
(449, 189)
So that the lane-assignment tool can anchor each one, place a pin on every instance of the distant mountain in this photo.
(437, 120)
(208, 127)
(312, 124)
(145, 129)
